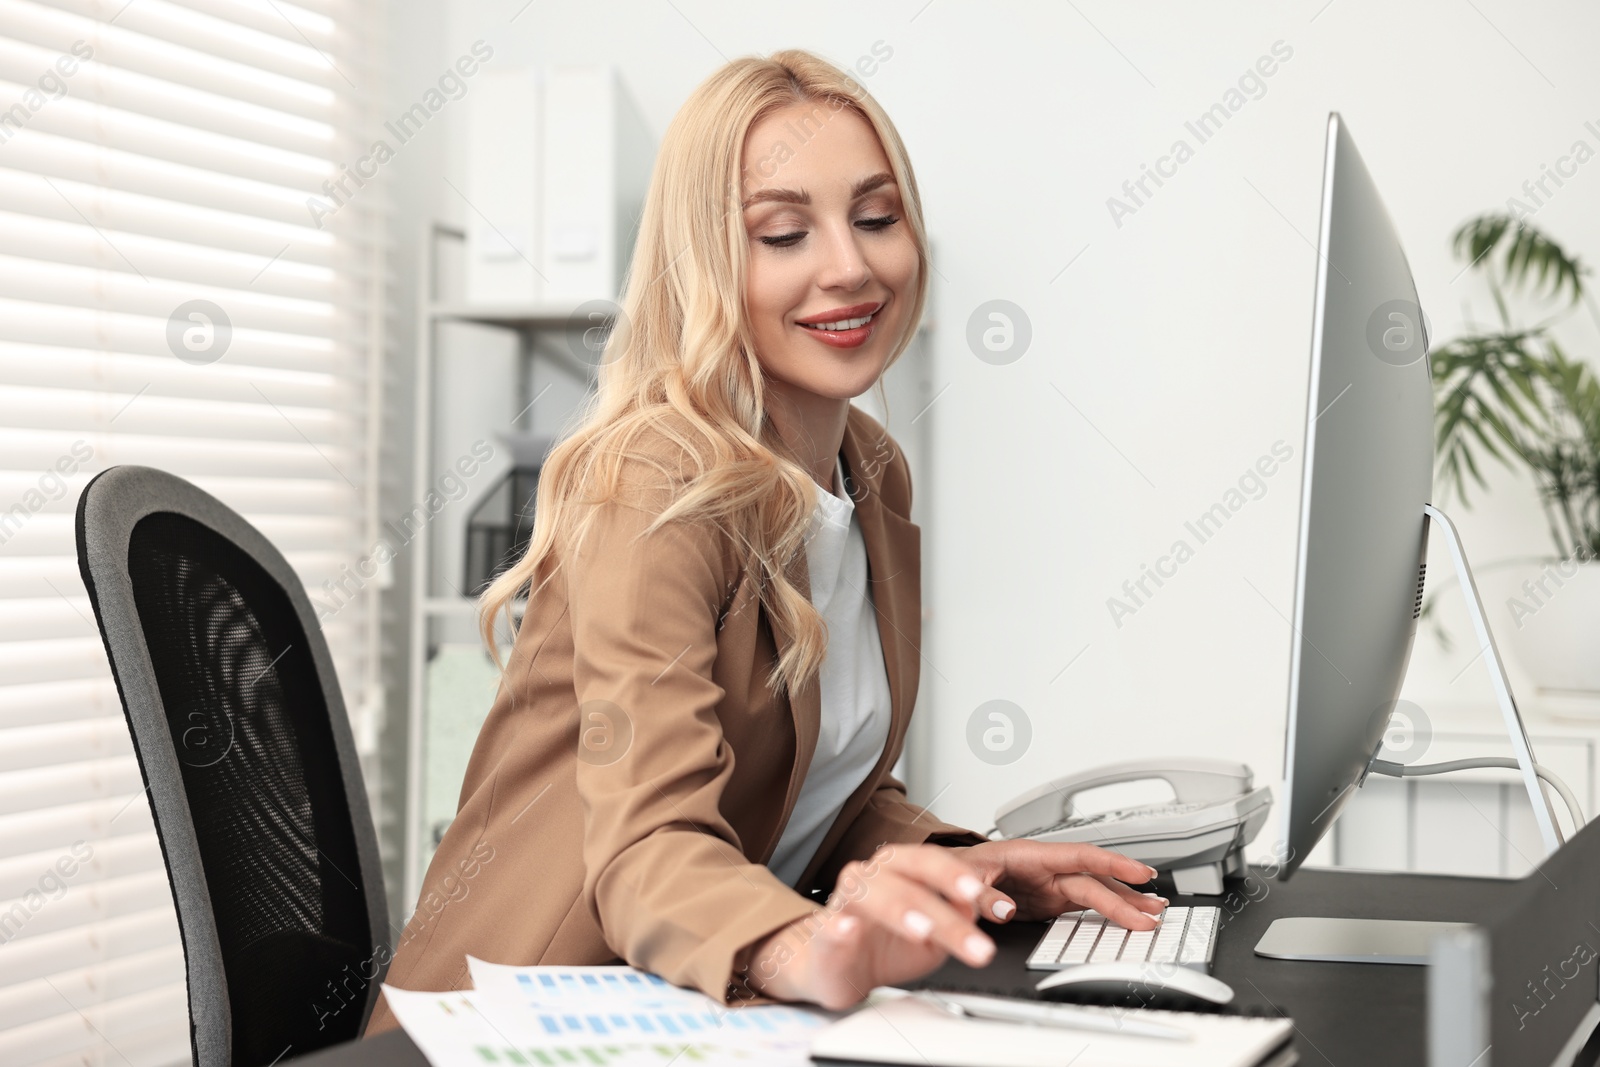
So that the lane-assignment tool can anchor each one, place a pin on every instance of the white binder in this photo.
(558, 162)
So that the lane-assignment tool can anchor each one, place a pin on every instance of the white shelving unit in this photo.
(526, 322)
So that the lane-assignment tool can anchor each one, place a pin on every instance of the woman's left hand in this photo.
(1040, 880)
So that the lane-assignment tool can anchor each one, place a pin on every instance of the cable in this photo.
(1403, 770)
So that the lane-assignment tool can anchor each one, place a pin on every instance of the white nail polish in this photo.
(1003, 909)
(979, 947)
(969, 886)
(919, 924)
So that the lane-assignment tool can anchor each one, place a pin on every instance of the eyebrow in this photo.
(790, 196)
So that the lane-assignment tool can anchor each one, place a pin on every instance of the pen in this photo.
(1002, 1009)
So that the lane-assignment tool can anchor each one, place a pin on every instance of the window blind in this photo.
(178, 288)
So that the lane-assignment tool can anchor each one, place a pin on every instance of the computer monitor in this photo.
(1368, 473)
(1365, 515)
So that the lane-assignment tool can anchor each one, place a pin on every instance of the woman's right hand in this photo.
(892, 918)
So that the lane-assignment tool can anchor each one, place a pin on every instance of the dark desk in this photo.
(1344, 1013)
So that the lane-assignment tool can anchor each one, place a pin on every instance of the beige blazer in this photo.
(640, 833)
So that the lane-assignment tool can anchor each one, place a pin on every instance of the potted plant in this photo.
(1512, 393)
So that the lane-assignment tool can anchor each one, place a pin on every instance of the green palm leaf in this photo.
(1530, 259)
(1514, 395)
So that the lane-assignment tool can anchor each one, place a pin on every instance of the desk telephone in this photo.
(1199, 835)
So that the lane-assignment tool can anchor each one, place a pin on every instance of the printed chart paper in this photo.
(596, 1016)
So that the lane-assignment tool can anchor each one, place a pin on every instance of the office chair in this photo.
(250, 767)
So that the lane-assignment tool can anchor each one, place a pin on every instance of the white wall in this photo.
(1179, 338)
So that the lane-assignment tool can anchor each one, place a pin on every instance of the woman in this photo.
(719, 655)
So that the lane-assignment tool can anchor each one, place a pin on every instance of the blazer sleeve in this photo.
(889, 818)
(670, 885)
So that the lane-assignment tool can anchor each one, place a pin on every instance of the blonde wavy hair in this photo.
(681, 363)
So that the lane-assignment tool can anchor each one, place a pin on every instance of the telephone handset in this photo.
(1199, 835)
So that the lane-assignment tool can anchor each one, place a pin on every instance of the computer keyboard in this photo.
(1186, 937)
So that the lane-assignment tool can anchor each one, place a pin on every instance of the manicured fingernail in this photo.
(1152, 870)
(918, 923)
(1003, 909)
(979, 948)
(969, 886)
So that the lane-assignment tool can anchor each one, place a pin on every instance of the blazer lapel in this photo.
(805, 708)
(894, 578)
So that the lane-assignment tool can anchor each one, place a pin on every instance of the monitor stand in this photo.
(1353, 940)
(1410, 941)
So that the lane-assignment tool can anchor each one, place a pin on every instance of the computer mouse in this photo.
(1143, 984)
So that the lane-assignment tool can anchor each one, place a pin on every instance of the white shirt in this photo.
(854, 681)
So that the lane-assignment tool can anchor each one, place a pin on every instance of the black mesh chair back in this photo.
(249, 763)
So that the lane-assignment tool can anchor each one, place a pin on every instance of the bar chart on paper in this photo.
(603, 1016)
(458, 1030)
(620, 1002)
(671, 1024)
(557, 990)
(610, 1055)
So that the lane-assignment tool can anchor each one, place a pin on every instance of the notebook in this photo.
(894, 1028)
